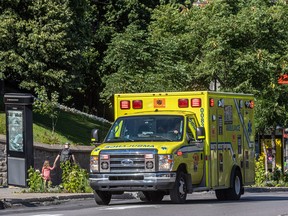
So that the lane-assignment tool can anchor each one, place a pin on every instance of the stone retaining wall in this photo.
(3, 164)
(44, 152)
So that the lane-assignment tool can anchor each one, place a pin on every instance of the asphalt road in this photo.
(198, 204)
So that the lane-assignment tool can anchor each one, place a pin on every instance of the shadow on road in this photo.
(205, 201)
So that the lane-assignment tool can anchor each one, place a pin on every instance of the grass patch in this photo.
(70, 127)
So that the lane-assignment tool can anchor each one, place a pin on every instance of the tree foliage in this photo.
(45, 43)
(90, 50)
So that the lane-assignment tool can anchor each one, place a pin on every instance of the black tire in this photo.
(234, 193)
(221, 194)
(151, 196)
(144, 196)
(156, 196)
(179, 193)
(102, 197)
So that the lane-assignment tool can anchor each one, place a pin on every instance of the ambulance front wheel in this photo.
(179, 192)
(102, 197)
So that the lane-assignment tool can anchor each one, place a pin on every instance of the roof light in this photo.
(137, 104)
(159, 103)
(211, 102)
(183, 103)
(195, 102)
(125, 104)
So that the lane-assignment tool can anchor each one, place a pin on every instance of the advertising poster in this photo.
(15, 130)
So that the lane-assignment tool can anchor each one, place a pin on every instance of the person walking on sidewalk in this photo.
(65, 155)
(67, 159)
(46, 173)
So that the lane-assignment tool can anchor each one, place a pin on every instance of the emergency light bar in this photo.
(182, 103)
(136, 104)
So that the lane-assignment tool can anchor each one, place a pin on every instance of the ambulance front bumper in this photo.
(132, 182)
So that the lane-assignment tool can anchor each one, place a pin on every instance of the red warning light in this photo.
(251, 104)
(137, 104)
(211, 102)
(183, 103)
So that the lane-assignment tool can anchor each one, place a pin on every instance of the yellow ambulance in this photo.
(175, 143)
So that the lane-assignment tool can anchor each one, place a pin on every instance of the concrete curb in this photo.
(50, 200)
(265, 189)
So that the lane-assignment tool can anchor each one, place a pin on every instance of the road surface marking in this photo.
(128, 207)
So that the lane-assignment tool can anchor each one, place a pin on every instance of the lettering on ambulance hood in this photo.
(130, 146)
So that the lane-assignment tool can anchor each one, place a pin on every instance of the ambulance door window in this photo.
(189, 131)
(115, 131)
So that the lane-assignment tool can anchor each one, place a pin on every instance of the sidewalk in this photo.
(15, 196)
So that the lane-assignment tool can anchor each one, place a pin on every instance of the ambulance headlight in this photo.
(165, 162)
(94, 165)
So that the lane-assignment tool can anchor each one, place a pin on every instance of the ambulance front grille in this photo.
(127, 161)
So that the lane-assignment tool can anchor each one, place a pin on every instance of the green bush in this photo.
(74, 179)
(272, 179)
(260, 177)
(35, 181)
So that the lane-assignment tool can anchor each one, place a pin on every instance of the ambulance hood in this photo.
(162, 147)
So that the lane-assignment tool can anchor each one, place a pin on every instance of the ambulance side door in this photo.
(196, 167)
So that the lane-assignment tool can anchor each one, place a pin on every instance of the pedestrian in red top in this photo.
(46, 170)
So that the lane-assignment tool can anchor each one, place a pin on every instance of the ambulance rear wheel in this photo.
(179, 193)
(102, 197)
(234, 193)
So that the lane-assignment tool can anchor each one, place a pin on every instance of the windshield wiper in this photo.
(127, 138)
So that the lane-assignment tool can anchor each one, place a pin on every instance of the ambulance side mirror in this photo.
(200, 133)
(95, 136)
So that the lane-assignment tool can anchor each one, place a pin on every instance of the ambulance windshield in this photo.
(147, 128)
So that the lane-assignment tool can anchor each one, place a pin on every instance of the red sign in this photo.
(283, 79)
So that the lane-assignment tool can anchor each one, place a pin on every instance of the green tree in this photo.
(47, 105)
(46, 43)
